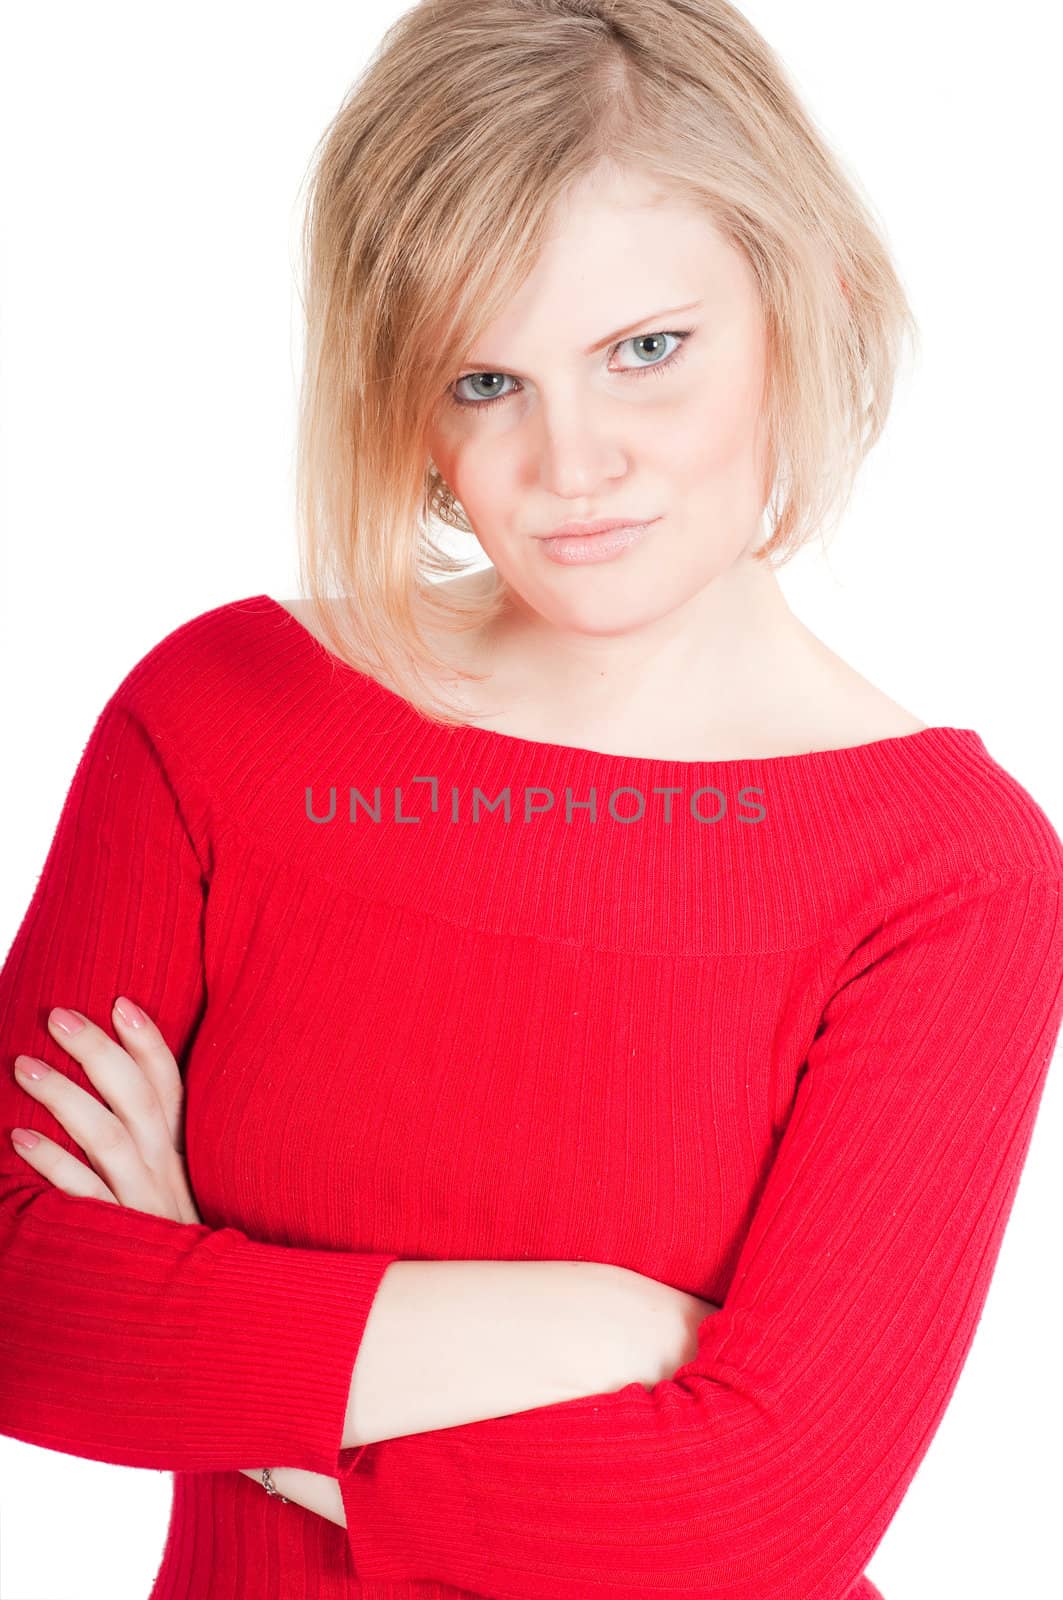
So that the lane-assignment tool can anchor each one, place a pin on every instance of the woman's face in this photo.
(647, 425)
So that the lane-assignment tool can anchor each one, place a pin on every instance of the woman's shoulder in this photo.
(848, 708)
(207, 640)
(207, 683)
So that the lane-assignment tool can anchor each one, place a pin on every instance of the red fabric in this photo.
(788, 1060)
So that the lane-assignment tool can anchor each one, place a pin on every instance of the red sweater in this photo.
(773, 1031)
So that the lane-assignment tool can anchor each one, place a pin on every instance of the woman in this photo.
(570, 1072)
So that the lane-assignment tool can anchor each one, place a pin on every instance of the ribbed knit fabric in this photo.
(773, 1031)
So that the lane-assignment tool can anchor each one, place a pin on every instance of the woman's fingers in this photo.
(135, 1115)
(63, 1169)
(149, 1049)
(128, 1138)
(93, 1127)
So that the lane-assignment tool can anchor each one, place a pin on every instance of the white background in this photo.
(149, 351)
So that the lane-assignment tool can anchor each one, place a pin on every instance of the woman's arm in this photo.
(225, 1326)
(571, 1328)
(772, 1462)
(508, 1336)
(514, 1335)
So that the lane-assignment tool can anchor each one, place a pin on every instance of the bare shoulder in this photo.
(900, 721)
(887, 720)
(857, 710)
(468, 584)
(299, 608)
(304, 612)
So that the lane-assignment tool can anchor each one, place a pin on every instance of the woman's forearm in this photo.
(450, 1342)
(461, 1341)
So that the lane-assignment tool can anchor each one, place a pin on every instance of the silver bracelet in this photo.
(271, 1488)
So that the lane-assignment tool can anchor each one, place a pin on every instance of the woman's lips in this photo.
(579, 549)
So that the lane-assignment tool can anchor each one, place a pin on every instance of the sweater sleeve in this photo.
(771, 1464)
(125, 1337)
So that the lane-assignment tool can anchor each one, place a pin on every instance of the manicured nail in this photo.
(66, 1021)
(129, 1013)
(30, 1067)
(24, 1139)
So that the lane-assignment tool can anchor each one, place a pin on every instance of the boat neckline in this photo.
(933, 737)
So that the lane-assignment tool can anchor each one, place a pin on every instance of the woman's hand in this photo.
(135, 1141)
(136, 1146)
(660, 1327)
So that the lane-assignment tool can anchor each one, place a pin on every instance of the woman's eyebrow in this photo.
(618, 333)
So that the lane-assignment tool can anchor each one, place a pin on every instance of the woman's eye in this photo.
(495, 379)
(492, 378)
(650, 339)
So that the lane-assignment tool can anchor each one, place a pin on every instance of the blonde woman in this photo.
(531, 1059)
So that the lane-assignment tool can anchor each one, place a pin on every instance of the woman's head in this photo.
(560, 414)
(506, 184)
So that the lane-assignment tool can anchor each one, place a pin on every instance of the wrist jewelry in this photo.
(271, 1488)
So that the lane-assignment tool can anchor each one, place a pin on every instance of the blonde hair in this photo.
(432, 193)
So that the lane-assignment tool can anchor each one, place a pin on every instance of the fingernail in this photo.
(30, 1067)
(66, 1021)
(129, 1013)
(24, 1139)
